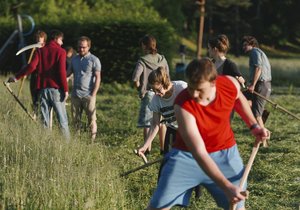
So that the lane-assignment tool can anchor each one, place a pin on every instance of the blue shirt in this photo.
(84, 69)
(257, 58)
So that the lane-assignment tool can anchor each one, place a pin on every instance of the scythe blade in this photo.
(28, 47)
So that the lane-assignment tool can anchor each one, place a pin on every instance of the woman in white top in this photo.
(162, 106)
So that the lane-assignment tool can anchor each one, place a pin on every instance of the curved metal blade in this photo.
(37, 45)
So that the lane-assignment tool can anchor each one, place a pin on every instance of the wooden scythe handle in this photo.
(142, 167)
(247, 171)
(23, 79)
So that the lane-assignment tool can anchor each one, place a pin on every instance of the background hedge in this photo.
(115, 42)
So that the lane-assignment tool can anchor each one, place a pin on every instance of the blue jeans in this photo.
(54, 98)
(145, 114)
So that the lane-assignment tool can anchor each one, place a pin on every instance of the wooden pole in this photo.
(201, 3)
(247, 171)
(276, 106)
(51, 118)
(143, 166)
(23, 79)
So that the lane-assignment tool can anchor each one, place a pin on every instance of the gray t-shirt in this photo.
(84, 69)
(257, 58)
(165, 106)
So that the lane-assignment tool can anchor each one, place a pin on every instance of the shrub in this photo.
(115, 42)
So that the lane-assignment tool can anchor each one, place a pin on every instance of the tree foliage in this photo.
(115, 28)
(272, 22)
(57, 10)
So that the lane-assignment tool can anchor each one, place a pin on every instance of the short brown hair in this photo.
(55, 34)
(85, 38)
(250, 40)
(199, 71)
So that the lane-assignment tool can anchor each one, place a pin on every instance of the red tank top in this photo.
(213, 120)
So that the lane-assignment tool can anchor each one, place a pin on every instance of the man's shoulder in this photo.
(75, 57)
(180, 83)
(92, 57)
(62, 51)
(224, 79)
(49, 49)
(228, 84)
(256, 50)
(229, 61)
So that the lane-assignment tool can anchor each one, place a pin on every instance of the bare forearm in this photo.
(136, 84)
(256, 75)
(96, 88)
(151, 135)
(97, 84)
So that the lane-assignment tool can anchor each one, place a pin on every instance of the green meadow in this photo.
(39, 170)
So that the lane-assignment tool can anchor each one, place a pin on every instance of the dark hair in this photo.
(220, 42)
(150, 43)
(85, 38)
(70, 49)
(55, 34)
(250, 40)
(199, 71)
(159, 76)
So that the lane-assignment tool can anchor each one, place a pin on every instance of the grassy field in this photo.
(40, 171)
(285, 65)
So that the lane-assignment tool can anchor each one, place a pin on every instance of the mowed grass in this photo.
(40, 171)
(285, 71)
(285, 65)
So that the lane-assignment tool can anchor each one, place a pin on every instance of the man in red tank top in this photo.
(205, 150)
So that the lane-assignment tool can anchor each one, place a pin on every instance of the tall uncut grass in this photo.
(41, 171)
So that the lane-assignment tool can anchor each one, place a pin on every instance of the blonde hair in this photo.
(159, 76)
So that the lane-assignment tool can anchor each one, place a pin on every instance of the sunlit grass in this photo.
(41, 171)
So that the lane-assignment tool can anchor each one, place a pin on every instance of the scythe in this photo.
(18, 100)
